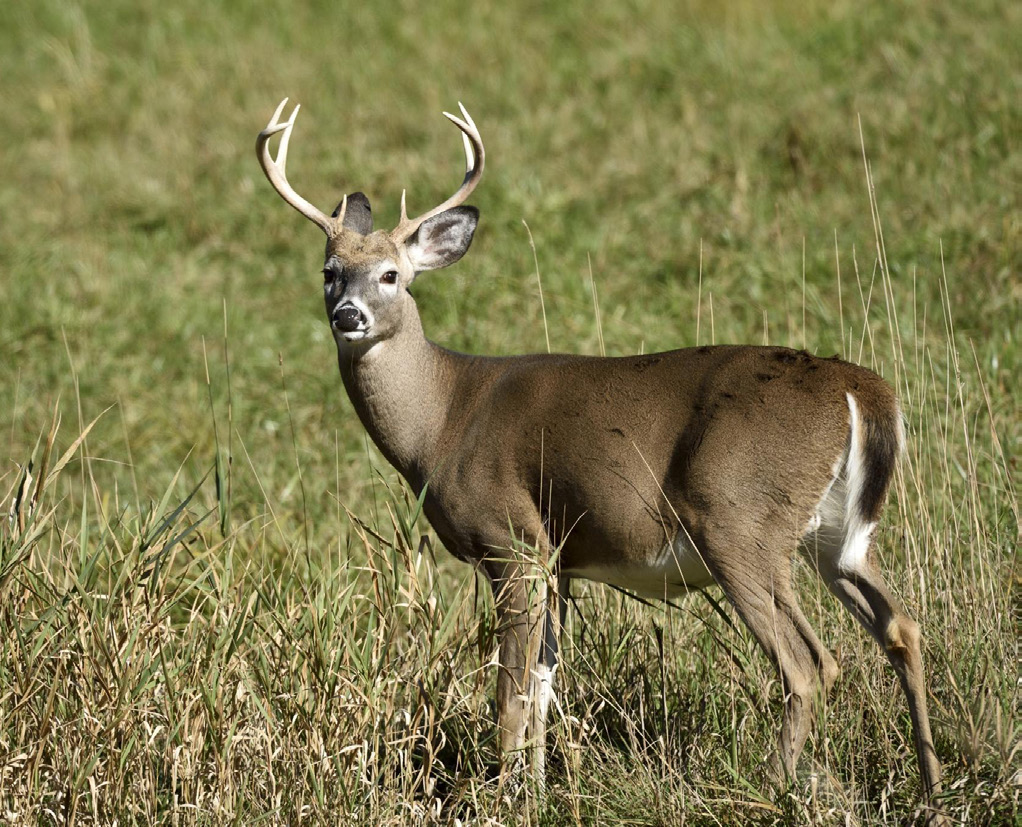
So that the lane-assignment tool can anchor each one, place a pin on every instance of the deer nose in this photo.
(347, 318)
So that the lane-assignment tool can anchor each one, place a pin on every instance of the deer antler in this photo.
(475, 158)
(274, 170)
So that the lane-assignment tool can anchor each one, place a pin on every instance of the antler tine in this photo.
(475, 159)
(469, 152)
(275, 169)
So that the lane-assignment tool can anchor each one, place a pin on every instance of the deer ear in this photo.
(443, 239)
(358, 216)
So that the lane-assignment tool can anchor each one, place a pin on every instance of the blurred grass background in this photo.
(702, 165)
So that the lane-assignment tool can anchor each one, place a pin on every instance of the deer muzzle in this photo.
(347, 318)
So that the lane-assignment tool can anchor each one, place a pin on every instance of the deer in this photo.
(658, 474)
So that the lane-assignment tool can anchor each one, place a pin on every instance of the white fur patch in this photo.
(857, 530)
(544, 687)
(837, 529)
(856, 546)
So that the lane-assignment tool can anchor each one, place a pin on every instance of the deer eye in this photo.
(328, 276)
(390, 277)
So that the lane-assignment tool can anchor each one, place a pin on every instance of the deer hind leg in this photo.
(840, 546)
(861, 588)
(763, 597)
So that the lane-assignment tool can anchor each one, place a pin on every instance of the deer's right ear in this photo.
(358, 215)
(443, 239)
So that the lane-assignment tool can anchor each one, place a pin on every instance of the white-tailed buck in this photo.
(656, 474)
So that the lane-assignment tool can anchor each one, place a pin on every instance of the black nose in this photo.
(347, 318)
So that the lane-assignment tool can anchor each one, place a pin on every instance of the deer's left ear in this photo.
(442, 239)
(358, 215)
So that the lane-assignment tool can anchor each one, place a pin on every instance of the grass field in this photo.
(214, 605)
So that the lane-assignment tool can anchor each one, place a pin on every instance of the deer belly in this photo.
(669, 571)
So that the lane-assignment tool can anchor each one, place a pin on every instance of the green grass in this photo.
(279, 646)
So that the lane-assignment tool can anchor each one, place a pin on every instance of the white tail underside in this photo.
(838, 530)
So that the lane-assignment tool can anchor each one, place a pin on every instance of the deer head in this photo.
(365, 273)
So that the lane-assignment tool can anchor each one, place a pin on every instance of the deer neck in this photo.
(398, 387)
